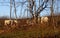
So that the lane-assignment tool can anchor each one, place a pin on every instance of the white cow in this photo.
(44, 19)
(7, 22)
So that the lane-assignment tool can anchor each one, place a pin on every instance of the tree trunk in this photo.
(36, 17)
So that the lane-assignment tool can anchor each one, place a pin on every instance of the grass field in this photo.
(31, 31)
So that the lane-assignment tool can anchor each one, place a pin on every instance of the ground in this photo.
(31, 31)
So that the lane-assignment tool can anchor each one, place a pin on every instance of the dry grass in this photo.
(31, 31)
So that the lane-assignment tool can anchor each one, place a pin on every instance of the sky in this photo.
(5, 9)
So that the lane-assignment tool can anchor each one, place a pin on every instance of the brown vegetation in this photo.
(39, 30)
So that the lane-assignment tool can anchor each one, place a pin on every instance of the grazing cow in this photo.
(44, 19)
(9, 22)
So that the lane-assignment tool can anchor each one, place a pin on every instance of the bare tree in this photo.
(31, 4)
(10, 8)
(15, 9)
(36, 13)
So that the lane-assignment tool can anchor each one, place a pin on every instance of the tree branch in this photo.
(41, 8)
(31, 4)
